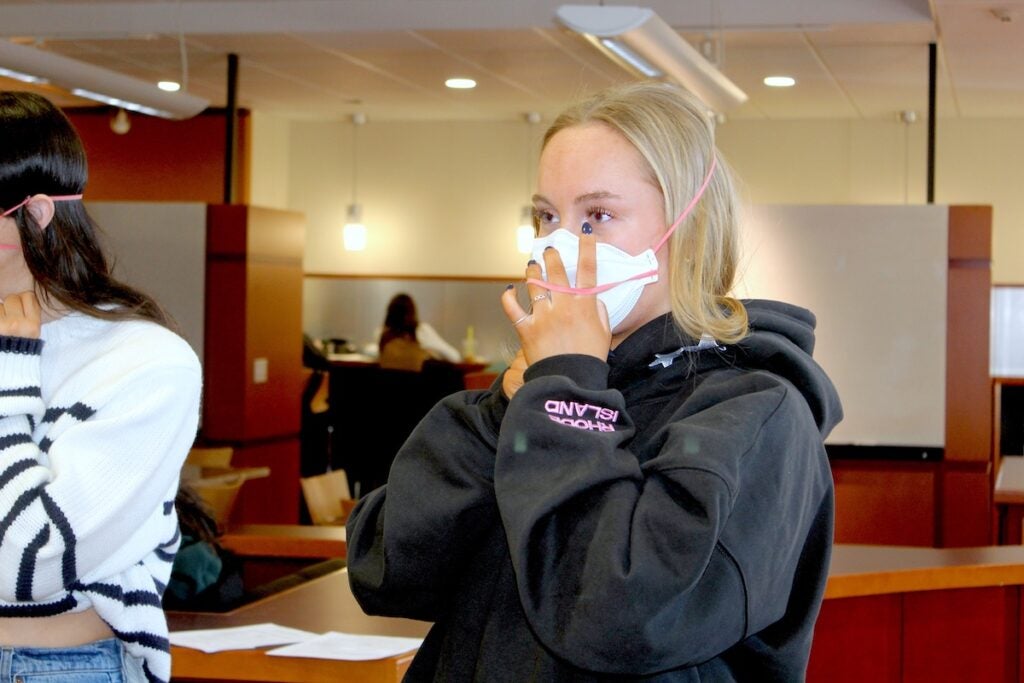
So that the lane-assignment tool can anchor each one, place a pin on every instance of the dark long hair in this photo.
(41, 153)
(400, 320)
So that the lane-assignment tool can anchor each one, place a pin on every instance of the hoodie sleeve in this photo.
(409, 540)
(620, 566)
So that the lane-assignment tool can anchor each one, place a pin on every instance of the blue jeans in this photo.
(104, 661)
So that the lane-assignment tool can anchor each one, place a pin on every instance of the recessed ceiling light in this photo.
(779, 81)
(169, 86)
(460, 83)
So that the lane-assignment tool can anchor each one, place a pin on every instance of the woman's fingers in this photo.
(20, 316)
(586, 267)
(510, 304)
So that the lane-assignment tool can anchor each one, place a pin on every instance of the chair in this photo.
(327, 497)
(220, 492)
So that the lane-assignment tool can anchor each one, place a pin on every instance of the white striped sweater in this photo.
(96, 419)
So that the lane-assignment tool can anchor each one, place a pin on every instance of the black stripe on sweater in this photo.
(168, 507)
(65, 604)
(69, 563)
(150, 676)
(14, 470)
(23, 501)
(27, 569)
(163, 555)
(21, 392)
(128, 598)
(174, 539)
(24, 345)
(79, 411)
(8, 440)
(145, 639)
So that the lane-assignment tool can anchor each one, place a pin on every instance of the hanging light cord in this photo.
(355, 154)
(183, 52)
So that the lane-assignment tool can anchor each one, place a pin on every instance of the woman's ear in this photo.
(41, 208)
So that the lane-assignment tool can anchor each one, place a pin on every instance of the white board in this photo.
(875, 277)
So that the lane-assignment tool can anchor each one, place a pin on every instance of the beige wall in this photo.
(444, 198)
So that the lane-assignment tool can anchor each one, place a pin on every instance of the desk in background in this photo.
(271, 551)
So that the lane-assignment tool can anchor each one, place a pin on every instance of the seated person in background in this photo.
(205, 576)
(405, 342)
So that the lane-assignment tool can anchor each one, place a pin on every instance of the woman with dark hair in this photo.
(99, 405)
(406, 342)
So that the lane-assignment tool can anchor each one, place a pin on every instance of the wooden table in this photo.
(271, 551)
(890, 614)
(920, 615)
(285, 540)
(321, 605)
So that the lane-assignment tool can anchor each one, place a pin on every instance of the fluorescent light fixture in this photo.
(639, 40)
(97, 83)
(169, 86)
(779, 81)
(18, 76)
(460, 83)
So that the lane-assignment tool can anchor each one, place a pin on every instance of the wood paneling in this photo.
(160, 160)
(273, 499)
(967, 505)
(858, 640)
(966, 492)
(961, 635)
(885, 502)
(254, 311)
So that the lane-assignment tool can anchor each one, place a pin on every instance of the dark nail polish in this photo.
(508, 287)
(531, 262)
(587, 229)
(547, 248)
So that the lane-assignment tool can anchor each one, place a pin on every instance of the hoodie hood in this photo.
(781, 341)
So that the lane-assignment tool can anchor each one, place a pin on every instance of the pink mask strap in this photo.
(689, 207)
(668, 233)
(55, 198)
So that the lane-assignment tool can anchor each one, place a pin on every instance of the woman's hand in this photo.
(561, 322)
(20, 316)
(513, 377)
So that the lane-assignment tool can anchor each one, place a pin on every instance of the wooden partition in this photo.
(253, 352)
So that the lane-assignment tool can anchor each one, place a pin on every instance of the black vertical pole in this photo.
(931, 122)
(231, 144)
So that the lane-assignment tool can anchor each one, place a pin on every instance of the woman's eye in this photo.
(599, 215)
(543, 216)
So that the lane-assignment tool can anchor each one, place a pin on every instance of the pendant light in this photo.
(354, 232)
(525, 232)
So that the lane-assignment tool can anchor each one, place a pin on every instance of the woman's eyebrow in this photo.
(581, 199)
(591, 196)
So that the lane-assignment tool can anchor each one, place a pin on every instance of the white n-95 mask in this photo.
(620, 277)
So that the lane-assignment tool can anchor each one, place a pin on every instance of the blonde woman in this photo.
(647, 494)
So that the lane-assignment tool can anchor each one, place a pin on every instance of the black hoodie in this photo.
(664, 516)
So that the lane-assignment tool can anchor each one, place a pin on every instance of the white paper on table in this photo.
(348, 646)
(239, 637)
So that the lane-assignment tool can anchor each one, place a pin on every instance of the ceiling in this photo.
(328, 59)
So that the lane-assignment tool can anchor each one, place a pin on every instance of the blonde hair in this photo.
(672, 131)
